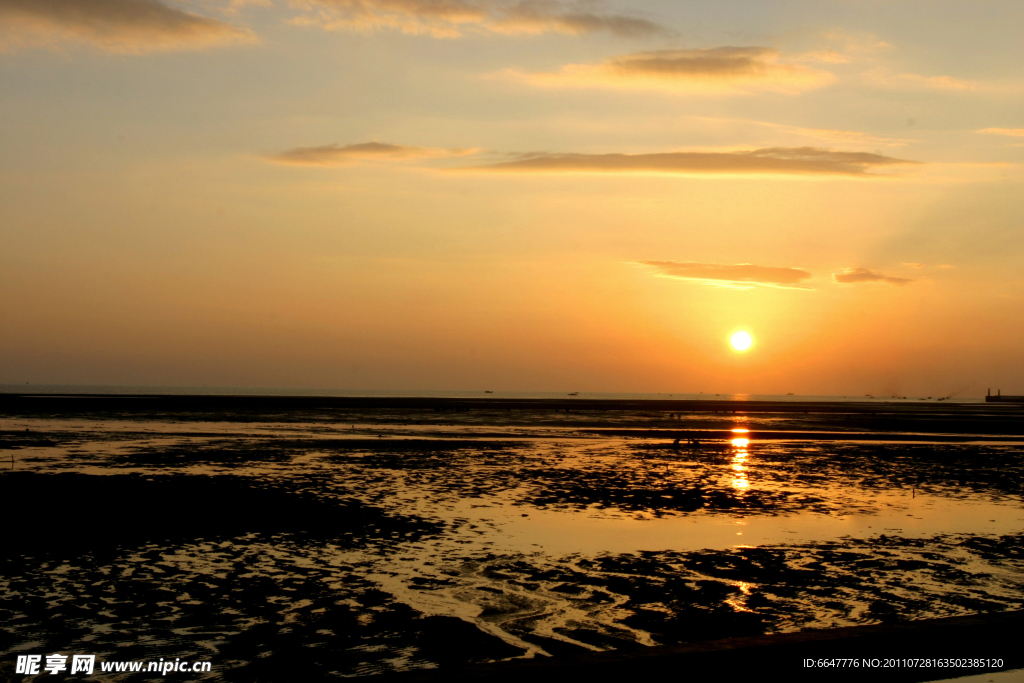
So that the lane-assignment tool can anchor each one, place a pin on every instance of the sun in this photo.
(741, 341)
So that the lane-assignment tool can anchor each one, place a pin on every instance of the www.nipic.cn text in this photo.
(87, 664)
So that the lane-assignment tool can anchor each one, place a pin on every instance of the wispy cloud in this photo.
(124, 26)
(830, 134)
(337, 155)
(884, 78)
(453, 18)
(772, 160)
(849, 136)
(721, 70)
(852, 276)
(854, 45)
(733, 276)
(824, 56)
(236, 5)
(1013, 132)
(919, 266)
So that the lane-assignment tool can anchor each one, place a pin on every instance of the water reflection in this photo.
(740, 482)
(580, 564)
(739, 603)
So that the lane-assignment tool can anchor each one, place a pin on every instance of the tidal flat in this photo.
(313, 538)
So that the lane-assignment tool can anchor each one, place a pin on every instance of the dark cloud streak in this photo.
(129, 26)
(453, 18)
(720, 70)
(852, 276)
(336, 155)
(715, 62)
(789, 160)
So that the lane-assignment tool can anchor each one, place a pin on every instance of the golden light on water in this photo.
(741, 341)
(740, 481)
(739, 604)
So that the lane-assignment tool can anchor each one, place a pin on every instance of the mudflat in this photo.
(309, 538)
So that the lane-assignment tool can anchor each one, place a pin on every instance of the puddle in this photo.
(564, 533)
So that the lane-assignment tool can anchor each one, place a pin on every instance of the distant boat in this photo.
(488, 392)
(790, 393)
(575, 393)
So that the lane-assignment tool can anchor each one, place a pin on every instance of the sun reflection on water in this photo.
(740, 481)
(739, 604)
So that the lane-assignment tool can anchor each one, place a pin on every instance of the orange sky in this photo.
(412, 195)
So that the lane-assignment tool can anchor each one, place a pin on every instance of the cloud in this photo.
(335, 155)
(849, 136)
(772, 160)
(855, 44)
(833, 135)
(852, 276)
(729, 70)
(826, 56)
(886, 79)
(454, 18)
(733, 276)
(124, 26)
(1014, 132)
(235, 5)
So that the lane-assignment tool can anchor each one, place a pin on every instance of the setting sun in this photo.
(741, 341)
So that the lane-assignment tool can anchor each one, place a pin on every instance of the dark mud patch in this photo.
(261, 608)
(386, 445)
(13, 440)
(66, 512)
(238, 451)
(560, 476)
(676, 597)
(646, 489)
(759, 479)
(243, 450)
(950, 470)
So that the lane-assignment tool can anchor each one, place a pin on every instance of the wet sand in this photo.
(312, 538)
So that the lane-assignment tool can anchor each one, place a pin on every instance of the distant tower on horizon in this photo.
(999, 398)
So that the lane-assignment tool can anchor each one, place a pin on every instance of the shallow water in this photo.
(368, 544)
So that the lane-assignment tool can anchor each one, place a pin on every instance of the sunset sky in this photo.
(528, 195)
